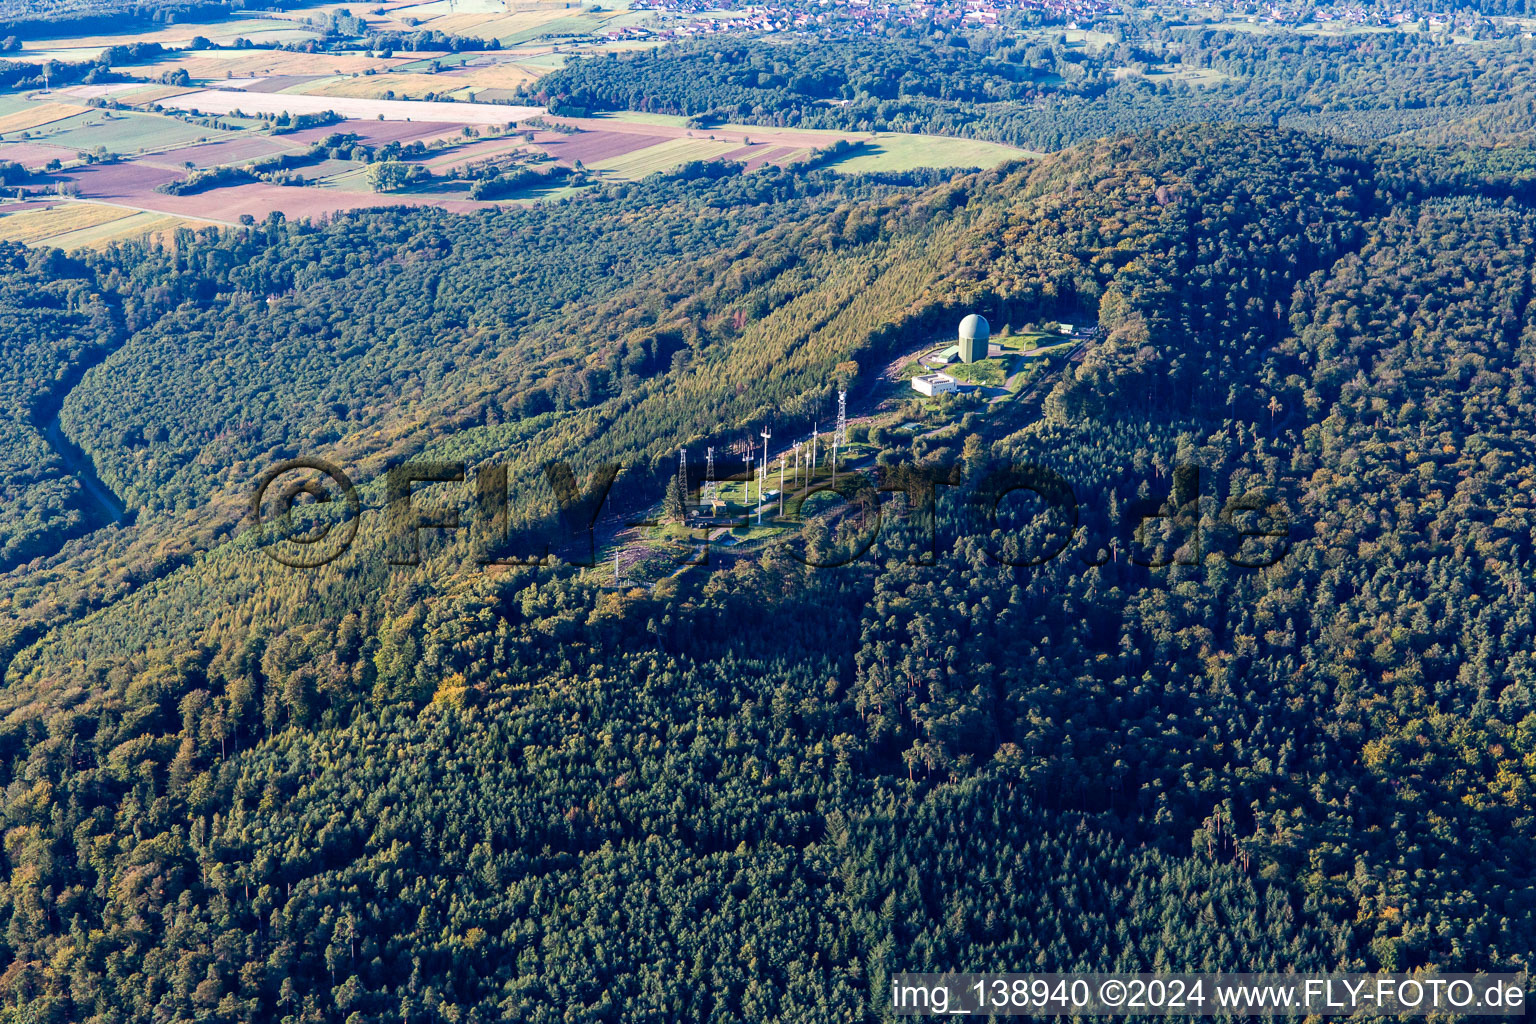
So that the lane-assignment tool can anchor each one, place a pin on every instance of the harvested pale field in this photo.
(663, 157)
(38, 115)
(35, 225)
(33, 155)
(225, 101)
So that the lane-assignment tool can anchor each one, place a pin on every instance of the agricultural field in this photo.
(84, 225)
(122, 132)
(36, 115)
(136, 153)
(106, 157)
(215, 65)
(228, 101)
(465, 82)
(260, 31)
(664, 156)
(893, 152)
(507, 23)
(31, 226)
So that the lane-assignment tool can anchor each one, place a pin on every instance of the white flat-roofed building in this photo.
(931, 384)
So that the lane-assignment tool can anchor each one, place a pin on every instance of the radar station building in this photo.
(974, 335)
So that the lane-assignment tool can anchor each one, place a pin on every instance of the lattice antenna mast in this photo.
(709, 475)
(762, 475)
(841, 438)
(682, 473)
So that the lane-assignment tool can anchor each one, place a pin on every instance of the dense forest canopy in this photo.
(1046, 93)
(373, 792)
(992, 735)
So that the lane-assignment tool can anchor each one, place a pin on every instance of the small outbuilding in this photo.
(931, 384)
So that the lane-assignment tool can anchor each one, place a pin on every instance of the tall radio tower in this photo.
(682, 473)
(709, 474)
(842, 419)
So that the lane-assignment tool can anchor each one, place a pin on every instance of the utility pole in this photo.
(746, 493)
(762, 475)
(781, 485)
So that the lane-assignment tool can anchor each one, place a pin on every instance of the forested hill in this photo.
(237, 791)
